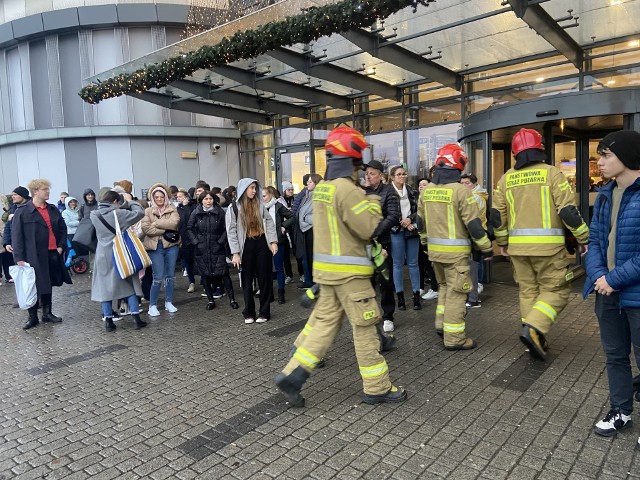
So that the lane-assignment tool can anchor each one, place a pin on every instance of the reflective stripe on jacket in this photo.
(446, 211)
(529, 201)
(344, 220)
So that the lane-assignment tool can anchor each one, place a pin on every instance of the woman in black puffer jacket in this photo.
(207, 233)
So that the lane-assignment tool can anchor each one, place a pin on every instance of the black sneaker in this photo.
(395, 395)
(612, 423)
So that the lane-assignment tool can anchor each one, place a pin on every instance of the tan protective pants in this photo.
(455, 283)
(544, 291)
(358, 300)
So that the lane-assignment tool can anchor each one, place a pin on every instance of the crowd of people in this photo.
(352, 233)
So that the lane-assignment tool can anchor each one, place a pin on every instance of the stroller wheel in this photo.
(81, 266)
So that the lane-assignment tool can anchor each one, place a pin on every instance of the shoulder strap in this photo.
(106, 224)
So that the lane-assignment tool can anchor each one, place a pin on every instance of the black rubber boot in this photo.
(290, 386)
(281, 299)
(109, 326)
(33, 319)
(401, 304)
(47, 316)
(395, 395)
(387, 341)
(139, 322)
(417, 304)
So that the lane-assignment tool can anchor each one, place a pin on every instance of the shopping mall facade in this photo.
(458, 70)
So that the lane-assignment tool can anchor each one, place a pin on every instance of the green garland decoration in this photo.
(306, 27)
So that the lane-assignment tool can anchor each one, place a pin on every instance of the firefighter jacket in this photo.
(451, 222)
(344, 220)
(534, 204)
(482, 197)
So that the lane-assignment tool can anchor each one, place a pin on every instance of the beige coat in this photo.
(154, 226)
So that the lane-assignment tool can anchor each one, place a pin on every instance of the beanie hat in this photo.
(626, 146)
(286, 185)
(23, 192)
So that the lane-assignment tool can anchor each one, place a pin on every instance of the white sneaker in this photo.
(192, 288)
(170, 308)
(249, 320)
(430, 295)
(480, 288)
(612, 423)
(388, 326)
(261, 320)
(153, 311)
(288, 280)
(184, 272)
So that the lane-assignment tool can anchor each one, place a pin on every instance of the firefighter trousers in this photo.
(357, 299)
(544, 291)
(455, 283)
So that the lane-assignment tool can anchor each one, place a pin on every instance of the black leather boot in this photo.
(281, 299)
(33, 319)
(47, 316)
(417, 305)
(401, 304)
(290, 385)
(109, 326)
(139, 322)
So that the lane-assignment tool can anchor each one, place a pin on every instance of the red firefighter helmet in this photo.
(451, 155)
(525, 139)
(345, 142)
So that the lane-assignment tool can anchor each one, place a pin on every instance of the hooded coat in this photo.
(30, 242)
(235, 230)
(71, 216)
(87, 207)
(155, 224)
(207, 232)
(106, 285)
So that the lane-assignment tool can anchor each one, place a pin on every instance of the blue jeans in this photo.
(278, 263)
(132, 301)
(619, 330)
(163, 264)
(405, 248)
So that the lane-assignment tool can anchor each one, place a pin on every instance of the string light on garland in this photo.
(307, 27)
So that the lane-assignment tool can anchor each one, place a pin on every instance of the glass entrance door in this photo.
(294, 164)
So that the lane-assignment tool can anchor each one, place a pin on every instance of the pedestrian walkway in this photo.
(192, 396)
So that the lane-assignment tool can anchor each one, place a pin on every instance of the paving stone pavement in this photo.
(192, 396)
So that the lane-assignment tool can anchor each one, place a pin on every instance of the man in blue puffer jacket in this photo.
(613, 270)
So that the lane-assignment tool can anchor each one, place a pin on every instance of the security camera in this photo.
(215, 147)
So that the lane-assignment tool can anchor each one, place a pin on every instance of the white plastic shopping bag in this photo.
(24, 278)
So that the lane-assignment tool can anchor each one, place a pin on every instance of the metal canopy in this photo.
(538, 19)
(327, 71)
(437, 44)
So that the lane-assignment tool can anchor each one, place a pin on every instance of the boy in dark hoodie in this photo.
(90, 204)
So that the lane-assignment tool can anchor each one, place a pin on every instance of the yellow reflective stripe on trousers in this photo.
(546, 309)
(307, 329)
(547, 239)
(343, 268)
(333, 230)
(453, 327)
(374, 370)
(545, 198)
(451, 221)
(305, 357)
(440, 309)
(512, 209)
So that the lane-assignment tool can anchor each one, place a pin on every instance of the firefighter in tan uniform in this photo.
(344, 220)
(535, 201)
(452, 223)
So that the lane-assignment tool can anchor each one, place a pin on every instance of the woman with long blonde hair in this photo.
(253, 241)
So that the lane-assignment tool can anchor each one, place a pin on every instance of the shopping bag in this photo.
(85, 237)
(24, 278)
(129, 255)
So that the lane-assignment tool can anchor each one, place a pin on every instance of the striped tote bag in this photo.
(129, 255)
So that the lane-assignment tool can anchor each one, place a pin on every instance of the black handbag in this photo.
(171, 236)
(85, 237)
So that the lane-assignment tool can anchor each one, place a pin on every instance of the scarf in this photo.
(405, 204)
(207, 209)
(272, 211)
